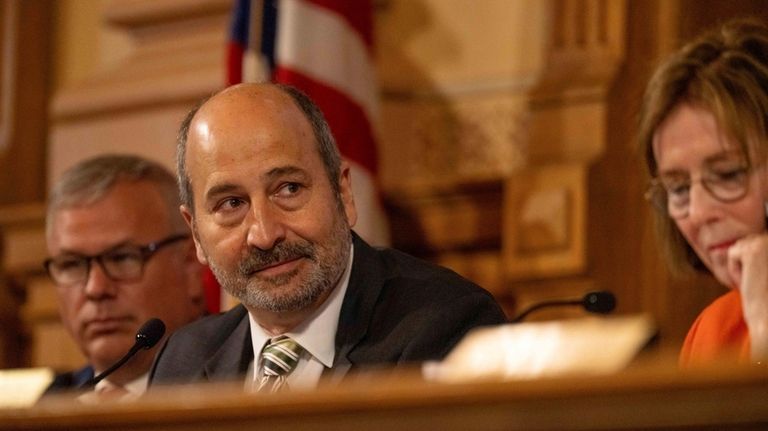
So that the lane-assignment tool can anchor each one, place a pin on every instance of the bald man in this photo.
(270, 205)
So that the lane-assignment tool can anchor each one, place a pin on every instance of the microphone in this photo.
(600, 302)
(146, 337)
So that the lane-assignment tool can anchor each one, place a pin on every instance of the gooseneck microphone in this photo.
(146, 337)
(600, 302)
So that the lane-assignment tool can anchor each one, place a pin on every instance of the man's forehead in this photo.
(253, 97)
(79, 230)
(134, 206)
(248, 128)
(246, 116)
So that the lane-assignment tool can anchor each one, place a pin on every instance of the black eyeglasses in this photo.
(123, 263)
(671, 194)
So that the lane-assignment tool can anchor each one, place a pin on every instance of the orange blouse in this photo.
(718, 333)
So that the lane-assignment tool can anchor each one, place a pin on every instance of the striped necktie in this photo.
(278, 359)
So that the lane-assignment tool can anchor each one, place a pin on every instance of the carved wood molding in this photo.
(144, 13)
(464, 217)
(178, 57)
(442, 144)
(545, 220)
(587, 46)
(568, 105)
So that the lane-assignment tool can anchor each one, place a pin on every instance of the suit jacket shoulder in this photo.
(215, 348)
(402, 309)
(69, 381)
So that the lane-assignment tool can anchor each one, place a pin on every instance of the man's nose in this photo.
(98, 284)
(266, 228)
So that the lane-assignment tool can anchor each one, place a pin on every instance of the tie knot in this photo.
(280, 356)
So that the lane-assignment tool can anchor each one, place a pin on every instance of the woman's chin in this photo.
(725, 279)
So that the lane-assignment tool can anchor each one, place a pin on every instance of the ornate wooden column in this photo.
(490, 178)
(545, 220)
(454, 80)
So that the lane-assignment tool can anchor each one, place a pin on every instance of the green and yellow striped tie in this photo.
(278, 359)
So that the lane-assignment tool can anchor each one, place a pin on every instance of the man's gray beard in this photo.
(273, 299)
(250, 290)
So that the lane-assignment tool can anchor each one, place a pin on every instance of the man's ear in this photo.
(194, 273)
(345, 190)
(190, 219)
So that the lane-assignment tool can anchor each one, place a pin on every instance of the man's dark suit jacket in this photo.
(397, 310)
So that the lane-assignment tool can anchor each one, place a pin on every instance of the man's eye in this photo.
(122, 256)
(230, 204)
(69, 264)
(289, 189)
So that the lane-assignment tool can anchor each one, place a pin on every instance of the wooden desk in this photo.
(731, 399)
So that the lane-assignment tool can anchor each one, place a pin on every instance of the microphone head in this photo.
(602, 302)
(150, 333)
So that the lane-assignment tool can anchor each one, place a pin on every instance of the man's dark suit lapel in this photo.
(365, 283)
(236, 353)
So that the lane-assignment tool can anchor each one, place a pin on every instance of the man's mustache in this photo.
(257, 259)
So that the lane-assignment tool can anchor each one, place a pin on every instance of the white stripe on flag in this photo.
(321, 45)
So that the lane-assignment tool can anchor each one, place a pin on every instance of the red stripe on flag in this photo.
(235, 53)
(357, 13)
(212, 291)
(348, 122)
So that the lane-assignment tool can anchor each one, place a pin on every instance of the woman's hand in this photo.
(748, 268)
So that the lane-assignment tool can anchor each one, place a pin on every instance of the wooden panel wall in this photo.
(506, 140)
(24, 63)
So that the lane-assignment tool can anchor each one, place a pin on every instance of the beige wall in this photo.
(454, 76)
(455, 45)
(128, 70)
(82, 43)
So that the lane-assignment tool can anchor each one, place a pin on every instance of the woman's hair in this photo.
(724, 72)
